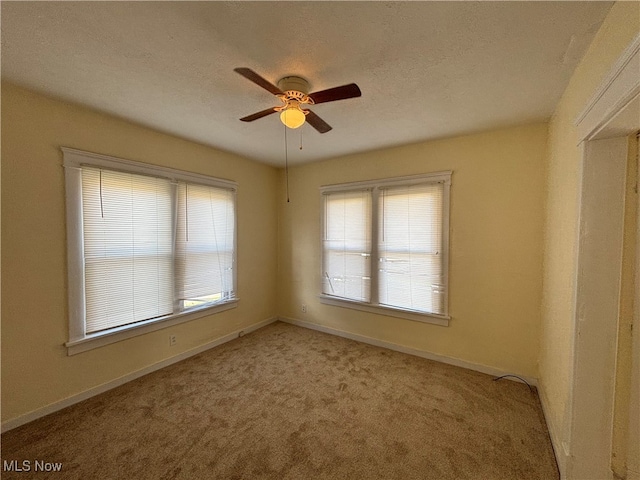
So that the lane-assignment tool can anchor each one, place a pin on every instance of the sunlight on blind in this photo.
(205, 241)
(347, 245)
(410, 247)
(127, 248)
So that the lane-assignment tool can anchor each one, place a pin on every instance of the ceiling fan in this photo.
(293, 92)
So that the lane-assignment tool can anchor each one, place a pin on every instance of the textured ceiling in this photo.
(426, 69)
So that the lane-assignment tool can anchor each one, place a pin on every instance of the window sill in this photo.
(100, 339)
(435, 319)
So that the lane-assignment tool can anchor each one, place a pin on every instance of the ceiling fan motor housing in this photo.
(296, 84)
(294, 93)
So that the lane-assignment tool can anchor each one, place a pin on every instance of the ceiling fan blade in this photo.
(336, 93)
(316, 122)
(258, 80)
(257, 115)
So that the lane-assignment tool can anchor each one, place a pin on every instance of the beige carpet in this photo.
(291, 403)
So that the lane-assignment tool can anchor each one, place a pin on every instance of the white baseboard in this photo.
(54, 407)
(560, 448)
(411, 351)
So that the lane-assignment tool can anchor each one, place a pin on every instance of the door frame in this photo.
(610, 116)
(633, 442)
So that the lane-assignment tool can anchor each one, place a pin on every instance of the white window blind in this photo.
(385, 246)
(127, 248)
(148, 247)
(410, 247)
(347, 245)
(205, 243)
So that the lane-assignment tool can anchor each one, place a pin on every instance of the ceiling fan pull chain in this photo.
(300, 139)
(286, 161)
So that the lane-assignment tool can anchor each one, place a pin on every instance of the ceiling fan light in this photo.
(292, 117)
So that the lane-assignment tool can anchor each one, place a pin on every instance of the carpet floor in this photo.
(290, 403)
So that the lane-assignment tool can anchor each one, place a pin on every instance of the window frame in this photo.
(375, 186)
(79, 341)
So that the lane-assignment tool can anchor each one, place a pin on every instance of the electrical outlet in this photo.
(172, 340)
(304, 309)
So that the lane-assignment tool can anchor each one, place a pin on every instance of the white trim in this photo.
(432, 318)
(435, 177)
(75, 243)
(620, 87)
(496, 372)
(446, 212)
(74, 158)
(614, 73)
(100, 339)
(598, 280)
(92, 392)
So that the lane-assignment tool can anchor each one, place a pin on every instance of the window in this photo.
(148, 247)
(385, 246)
(347, 245)
(204, 245)
(128, 252)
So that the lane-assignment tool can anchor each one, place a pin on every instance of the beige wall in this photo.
(497, 198)
(563, 159)
(35, 368)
